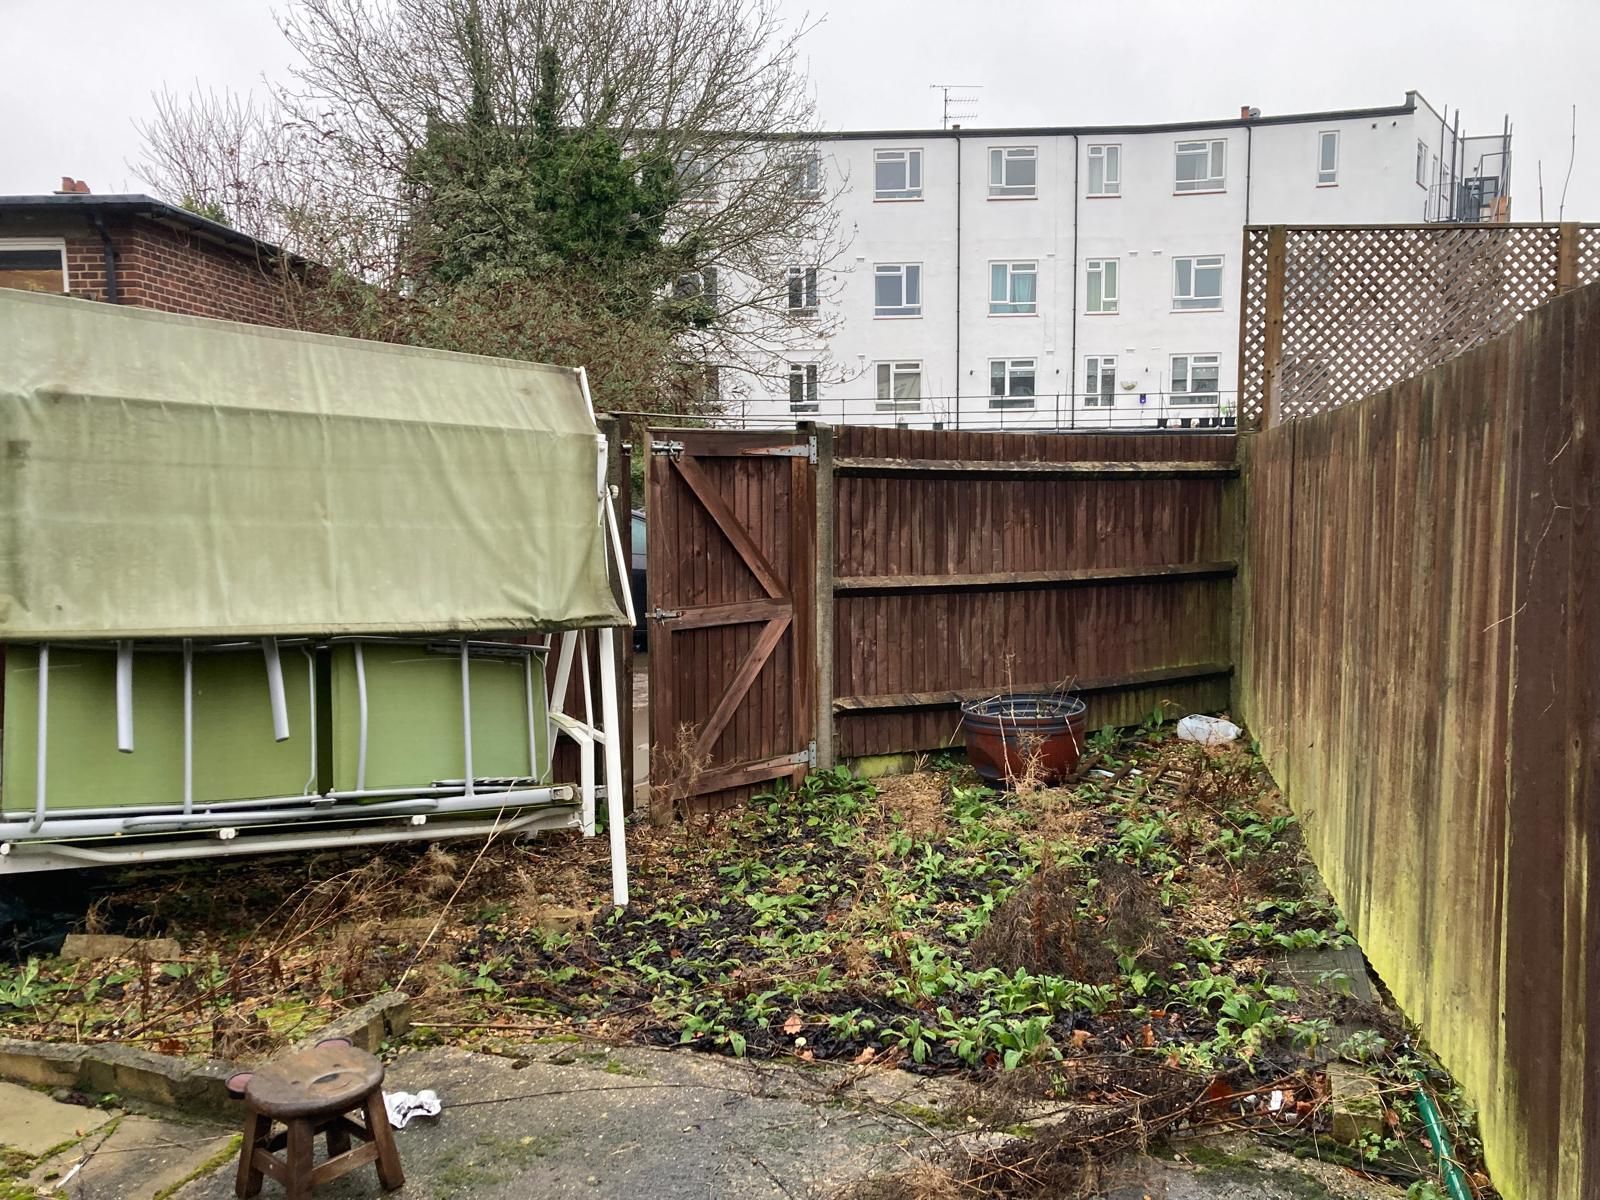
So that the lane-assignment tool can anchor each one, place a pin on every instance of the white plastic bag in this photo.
(402, 1106)
(1208, 731)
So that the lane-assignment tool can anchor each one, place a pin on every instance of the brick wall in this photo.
(176, 272)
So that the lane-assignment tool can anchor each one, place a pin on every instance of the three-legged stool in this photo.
(312, 1092)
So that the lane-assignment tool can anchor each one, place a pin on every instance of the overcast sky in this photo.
(75, 76)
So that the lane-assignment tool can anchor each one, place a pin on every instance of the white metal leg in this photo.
(613, 726)
(280, 706)
(188, 725)
(41, 754)
(125, 697)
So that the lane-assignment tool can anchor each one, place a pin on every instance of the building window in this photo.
(1013, 172)
(1422, 164)
(1202, 166)
(899, 387)
(1105, 170)
(1102, 288)
(1013, 289)
(33, 265)
(807, 182)
(802, 289)
(698, 290)
(1197, 283)
(1100, 381)
(1327, 157)
(897, 290)
(1194, 379)
(803, 387)
(897, 175)
(1011, 382)
(697, 178)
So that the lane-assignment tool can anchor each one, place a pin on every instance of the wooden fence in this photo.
(920, 568)
(1419, 659)
(1332, 313)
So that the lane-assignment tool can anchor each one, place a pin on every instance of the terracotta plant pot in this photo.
(1024, 736)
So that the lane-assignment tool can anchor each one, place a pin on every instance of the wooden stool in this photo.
(309, 1093)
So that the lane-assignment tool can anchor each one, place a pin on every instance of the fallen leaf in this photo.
(808, 1054)
(1147, 1036)
(794, 1024)
(865, 1057)
(1080, 1038)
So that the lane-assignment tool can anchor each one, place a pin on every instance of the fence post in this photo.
(823, 595)
(1567, 257)
(1272, 358)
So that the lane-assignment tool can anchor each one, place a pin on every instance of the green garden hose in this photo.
(1455, 1183)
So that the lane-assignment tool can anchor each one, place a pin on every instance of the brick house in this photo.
(140, 251)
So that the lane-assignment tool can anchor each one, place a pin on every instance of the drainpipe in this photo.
(1072, 363)
(1249, 153)
(957, 131)
(113, 296)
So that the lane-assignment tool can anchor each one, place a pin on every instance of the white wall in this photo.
(1144, 228)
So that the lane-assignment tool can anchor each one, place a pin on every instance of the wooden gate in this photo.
(731, 568)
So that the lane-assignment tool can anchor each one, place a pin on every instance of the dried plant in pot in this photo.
(1024, 738)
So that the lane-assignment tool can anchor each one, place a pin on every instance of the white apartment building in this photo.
(1085, 277)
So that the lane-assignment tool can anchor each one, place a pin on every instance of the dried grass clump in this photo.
(674, 773)
(1058, 923)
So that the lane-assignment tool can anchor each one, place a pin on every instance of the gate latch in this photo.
(663, 614)
(672, 449)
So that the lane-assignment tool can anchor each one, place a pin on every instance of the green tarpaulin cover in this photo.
(177, 476)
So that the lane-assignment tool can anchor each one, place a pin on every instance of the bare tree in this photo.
(324, 164)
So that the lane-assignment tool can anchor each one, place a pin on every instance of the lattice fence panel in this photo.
(1367, 306)
(1253, 329)
(1589, 254)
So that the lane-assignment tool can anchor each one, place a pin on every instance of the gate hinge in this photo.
(807, 451)
(670, 448)
(663, 614)
(806, 757)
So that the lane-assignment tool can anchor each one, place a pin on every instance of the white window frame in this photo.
(1422, 163)
(806, 279)
(808, 175)
(1109, 155)
(909, 274)
(1000, 185)
(1109, 296)
(1009, 305)
(911, 159)
(1095, 394)
(1212, 262)
(1327, 176)
(696, 177)
(806, 376)
(59, 245)
(890, 371)
(1216, 177)
(1189, 398)
(1011, 370)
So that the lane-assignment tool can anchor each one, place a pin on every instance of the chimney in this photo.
(72, 187)
(1244, 112)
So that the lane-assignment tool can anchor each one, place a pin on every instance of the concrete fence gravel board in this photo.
(1418, 657)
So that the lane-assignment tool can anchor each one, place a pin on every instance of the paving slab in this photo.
(34, 1124)
(625, 1124)
(138, 1159)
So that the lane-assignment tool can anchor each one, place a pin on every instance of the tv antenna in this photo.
(960, 101)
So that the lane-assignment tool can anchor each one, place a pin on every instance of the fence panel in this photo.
(1419, 663)
(970, 563)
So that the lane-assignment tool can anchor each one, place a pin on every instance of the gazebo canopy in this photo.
(166, 476)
